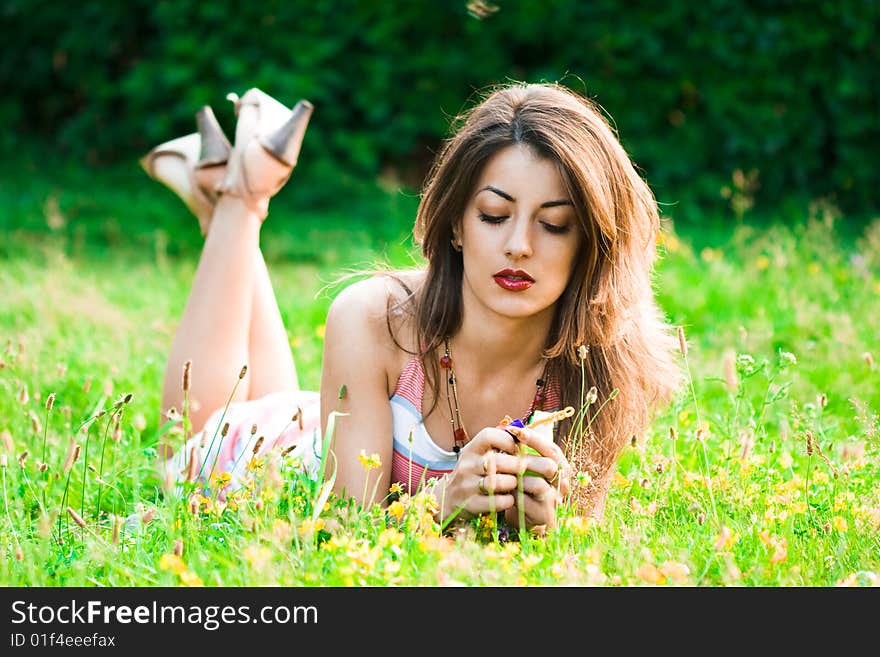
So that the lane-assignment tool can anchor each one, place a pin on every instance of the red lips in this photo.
(514, 280)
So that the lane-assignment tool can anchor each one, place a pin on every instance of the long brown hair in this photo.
(608, 305)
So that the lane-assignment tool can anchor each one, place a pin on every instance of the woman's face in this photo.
(519, 235)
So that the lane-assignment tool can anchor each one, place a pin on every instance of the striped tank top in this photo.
(417, 458)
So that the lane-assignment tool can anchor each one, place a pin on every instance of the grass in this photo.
(763, 472)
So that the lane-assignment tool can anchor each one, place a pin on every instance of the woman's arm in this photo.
(357, 351)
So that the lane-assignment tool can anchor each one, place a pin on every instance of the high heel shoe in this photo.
(193, 166)
(268, 138)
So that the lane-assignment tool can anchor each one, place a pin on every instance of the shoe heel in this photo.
(285, 142)
(215, 146)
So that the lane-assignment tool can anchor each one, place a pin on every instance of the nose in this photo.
(519, 240)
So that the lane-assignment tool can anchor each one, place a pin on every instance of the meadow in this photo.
(764, 470)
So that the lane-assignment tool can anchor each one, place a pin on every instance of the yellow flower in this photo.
(320, 331)
(427, 524)
(173, 563)
(762, 262)
(396, 509)
(189, 578)
(396, 488)
(839, 523)
(651, 574)
(309, 526)
(579, 525)
(369, 462)
(813, 268)
(620, 480)
(391, 537)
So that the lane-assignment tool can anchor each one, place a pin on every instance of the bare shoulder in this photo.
(374, 311)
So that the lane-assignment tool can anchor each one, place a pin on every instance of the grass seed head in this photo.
(6, 439)
(592, 396)
(225, 429)
(243, 372)
(583, 351)
(682, 342)
(730, 378)
(192, 472)
(43, 466)
(3, 461)
(76, 517)
(257, 445)
(50, 401)
(72, 456)
(187, 369)
(868, 358)
(22, 458)
(35, 423)
(178, 547)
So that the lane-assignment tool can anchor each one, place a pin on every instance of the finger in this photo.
(540, 443)
(486, 503)
(496, 484)
(540, 465)
(538, 501)
(494, 438)
(508, 463)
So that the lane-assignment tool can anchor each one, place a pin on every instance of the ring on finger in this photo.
(555, 476)
(484, 464)
(481, 486)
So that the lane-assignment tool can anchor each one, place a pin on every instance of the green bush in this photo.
(721, 105)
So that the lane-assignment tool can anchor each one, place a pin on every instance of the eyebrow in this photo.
(505, 195)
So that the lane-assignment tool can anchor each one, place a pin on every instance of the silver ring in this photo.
(481, 486)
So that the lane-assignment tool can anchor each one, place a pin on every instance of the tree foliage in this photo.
(718, 102)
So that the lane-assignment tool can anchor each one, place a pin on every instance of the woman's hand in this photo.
(484, 477)
(547, 484)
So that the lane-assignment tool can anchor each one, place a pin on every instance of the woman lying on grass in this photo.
(539, 238)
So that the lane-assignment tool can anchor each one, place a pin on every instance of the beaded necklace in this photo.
(459, 435)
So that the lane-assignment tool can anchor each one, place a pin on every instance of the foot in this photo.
(268, 137)
(193, 166)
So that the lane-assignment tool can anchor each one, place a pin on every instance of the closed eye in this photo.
(491, 219)
(553, 228)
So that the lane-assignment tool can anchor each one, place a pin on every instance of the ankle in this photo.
(237, 206)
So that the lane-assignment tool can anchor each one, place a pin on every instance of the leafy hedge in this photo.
(720, 104)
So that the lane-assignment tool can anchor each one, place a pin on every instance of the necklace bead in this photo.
(459, 434)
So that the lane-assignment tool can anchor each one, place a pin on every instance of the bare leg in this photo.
(214, 331)
(220, 342)
(271, 362)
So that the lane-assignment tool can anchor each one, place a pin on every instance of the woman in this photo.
(539, 238)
